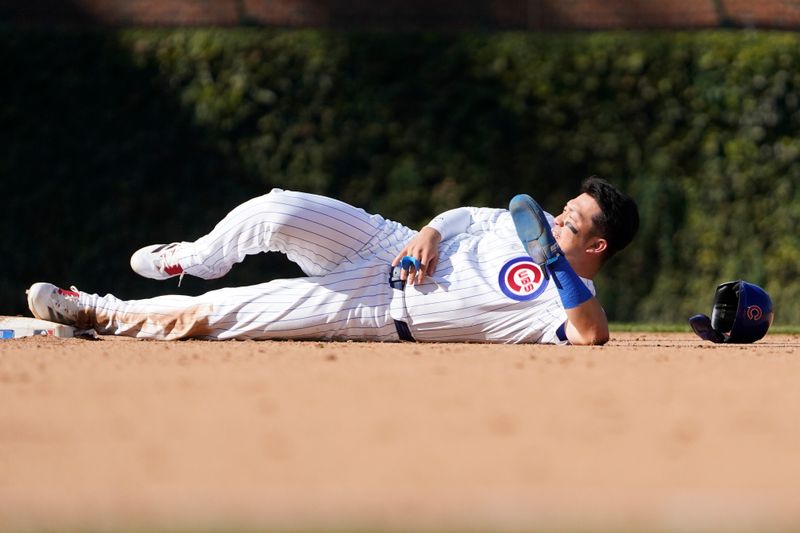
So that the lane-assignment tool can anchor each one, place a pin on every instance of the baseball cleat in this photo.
(157, 261)
(533, 229)
(48, 302)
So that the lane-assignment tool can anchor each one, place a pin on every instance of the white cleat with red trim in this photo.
(157, 261)
(48, 302)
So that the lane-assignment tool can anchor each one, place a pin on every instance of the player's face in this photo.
(574, 230)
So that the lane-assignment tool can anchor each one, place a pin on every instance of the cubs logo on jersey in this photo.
(521, 279)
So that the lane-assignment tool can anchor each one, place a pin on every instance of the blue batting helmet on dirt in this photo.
(742, 313)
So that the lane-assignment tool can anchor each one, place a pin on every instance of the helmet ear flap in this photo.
(701, 325)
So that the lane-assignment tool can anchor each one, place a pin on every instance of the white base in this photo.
(14, 327)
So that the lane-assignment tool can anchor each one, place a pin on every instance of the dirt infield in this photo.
(660, 432)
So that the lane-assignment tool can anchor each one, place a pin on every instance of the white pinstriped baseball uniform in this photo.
(484, 289)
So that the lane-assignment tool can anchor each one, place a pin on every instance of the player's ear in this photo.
(597, 245)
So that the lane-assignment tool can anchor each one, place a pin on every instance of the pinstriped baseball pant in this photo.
(345, 251)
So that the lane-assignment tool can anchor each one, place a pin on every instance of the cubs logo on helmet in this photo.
(521, 279)
(754, 312)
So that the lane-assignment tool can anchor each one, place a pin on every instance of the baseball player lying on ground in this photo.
(472, 274)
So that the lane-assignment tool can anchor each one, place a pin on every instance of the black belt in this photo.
(395, 282)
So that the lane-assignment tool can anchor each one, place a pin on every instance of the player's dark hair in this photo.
(619, 218)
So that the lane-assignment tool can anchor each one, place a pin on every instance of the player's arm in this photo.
(424, 246)
(587, 323)
(586, 319)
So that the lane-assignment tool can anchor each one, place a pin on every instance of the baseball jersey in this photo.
(485, 288)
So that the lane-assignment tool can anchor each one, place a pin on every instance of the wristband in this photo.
(571, 289)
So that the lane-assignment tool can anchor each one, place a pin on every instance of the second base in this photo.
(14, 327)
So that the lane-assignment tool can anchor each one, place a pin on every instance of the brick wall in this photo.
(408, 14)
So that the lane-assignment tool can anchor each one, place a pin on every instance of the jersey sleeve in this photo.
(471, 220)
(452, 222)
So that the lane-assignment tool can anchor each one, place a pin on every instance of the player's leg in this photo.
(316, 232)
(351, 303)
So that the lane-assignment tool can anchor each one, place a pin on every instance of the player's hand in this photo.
(425, 247)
